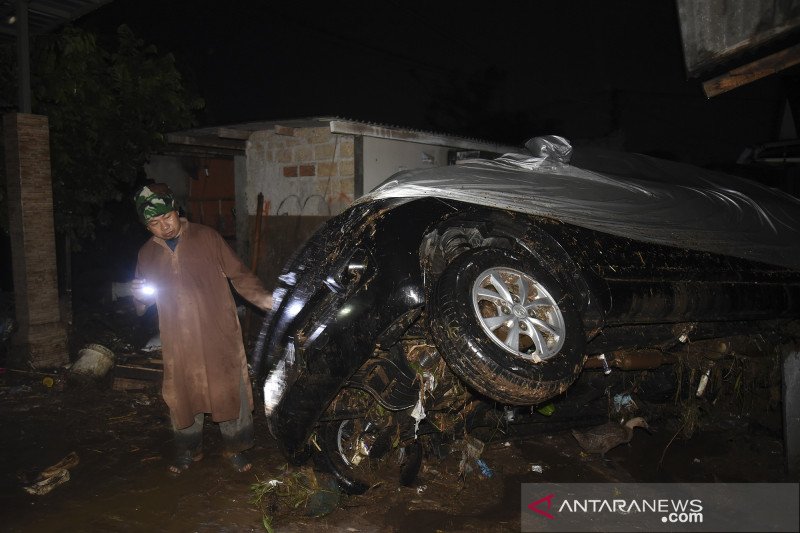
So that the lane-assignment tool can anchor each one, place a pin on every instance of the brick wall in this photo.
(300, 171)
(30, 205)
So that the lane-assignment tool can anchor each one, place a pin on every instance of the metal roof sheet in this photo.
(43, 15)
(232, 136)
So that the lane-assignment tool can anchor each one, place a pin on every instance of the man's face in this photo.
(166, 226)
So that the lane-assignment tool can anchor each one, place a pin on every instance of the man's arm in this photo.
(244, 281)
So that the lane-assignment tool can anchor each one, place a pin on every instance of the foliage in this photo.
(294, 490)
(109, 107)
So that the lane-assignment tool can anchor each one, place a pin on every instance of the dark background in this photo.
(608, 72)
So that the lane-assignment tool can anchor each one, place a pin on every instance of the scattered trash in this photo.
(701, 387)
(48, 382)
(547, 410)
(485, 470)
(606, 368)
(52, 477)
(154, 344)
(316, 493)
(418, 413)
(19, 389)
(537, 468)
(45, 485)
(421, 489)
(94, 360)
(696, 460)
(623, 403)
(142, 400)
(471, 450)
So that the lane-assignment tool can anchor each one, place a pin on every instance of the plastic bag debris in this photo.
(52, 477)
(418, 413)
(154, 344)
(471, 450)
(485, 470)
(624, 403)
(539, 469)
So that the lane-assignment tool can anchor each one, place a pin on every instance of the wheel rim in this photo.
(518, 313)
(354, 442)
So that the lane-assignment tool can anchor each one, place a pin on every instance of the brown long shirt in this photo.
(201, 339)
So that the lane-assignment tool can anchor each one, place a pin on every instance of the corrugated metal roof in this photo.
(232, 137)
(43, 15)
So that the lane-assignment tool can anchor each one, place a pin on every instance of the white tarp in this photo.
(628, 195)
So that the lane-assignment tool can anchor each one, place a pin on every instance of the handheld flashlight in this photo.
(148, 290)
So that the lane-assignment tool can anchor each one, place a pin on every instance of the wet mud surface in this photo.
(123, 443)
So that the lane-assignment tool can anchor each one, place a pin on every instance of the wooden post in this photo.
(254, 251)
(257, 235)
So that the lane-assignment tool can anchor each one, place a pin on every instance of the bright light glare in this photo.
(148, 290)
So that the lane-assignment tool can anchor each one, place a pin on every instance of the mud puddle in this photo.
(123, 442)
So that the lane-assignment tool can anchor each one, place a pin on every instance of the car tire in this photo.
(340, 442)
(475, 320)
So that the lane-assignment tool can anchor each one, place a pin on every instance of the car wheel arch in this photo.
(512, 231)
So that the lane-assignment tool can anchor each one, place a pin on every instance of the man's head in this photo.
(155, 206)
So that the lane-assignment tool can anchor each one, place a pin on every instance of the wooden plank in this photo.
(126, 384)
(752, 71)
(138, 372)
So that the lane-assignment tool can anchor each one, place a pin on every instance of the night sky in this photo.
(609, 72)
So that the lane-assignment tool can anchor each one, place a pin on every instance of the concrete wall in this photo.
(300, 171)
(384, 157)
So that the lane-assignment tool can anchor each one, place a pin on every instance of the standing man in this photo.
(184, 270)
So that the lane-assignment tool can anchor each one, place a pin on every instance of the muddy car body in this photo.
(492, 283)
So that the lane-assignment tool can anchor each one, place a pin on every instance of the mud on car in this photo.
(455, 298)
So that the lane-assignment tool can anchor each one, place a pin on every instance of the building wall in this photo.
(300, 171)
(384, 157)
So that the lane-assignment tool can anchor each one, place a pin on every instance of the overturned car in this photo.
(448, 294)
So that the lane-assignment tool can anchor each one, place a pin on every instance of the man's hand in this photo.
(143, 293)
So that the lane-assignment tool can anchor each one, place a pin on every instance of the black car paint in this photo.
(627, 290)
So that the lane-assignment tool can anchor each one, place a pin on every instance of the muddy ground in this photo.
(123, 444)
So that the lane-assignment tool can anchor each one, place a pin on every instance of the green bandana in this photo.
(153, 200)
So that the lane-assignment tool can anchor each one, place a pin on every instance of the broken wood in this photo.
(752, 71)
